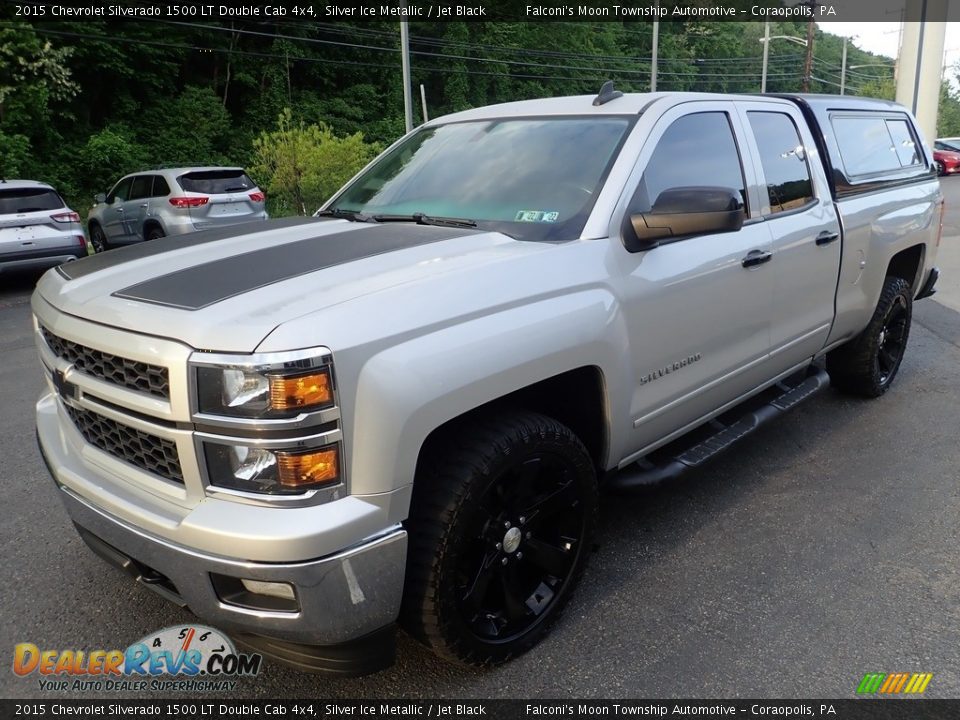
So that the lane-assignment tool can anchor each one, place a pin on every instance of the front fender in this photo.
(410, 389)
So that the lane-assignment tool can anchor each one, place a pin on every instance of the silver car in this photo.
(37, 229)
(173, 201)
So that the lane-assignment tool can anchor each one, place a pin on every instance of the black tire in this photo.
(940, 168)
(98, 239)
(867, 365)
(468, 598)
(154, 233)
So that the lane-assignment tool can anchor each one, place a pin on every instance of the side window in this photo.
(160, 187)
(871, 145)
(783, 159)
(903, 143)
(141, 187)
(121, 191)
(696, 150)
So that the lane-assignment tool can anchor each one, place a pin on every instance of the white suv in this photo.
(173, 201)
(37, 229)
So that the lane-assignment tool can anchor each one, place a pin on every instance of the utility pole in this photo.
(843, 68)
(405, 64)
(653, 55)
(766, 55)
(808, 63)
(423, 102)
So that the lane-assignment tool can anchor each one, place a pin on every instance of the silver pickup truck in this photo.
(403, 409)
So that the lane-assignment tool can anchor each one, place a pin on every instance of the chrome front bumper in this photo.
(340, 598)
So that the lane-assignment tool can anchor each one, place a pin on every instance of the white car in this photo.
(37, 229)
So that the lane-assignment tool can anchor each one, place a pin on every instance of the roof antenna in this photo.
(607, 93)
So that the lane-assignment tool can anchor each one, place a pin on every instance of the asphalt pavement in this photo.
(820, 549)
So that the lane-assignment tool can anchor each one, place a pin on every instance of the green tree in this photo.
(106, 156)
(194, 129)
(14, 155)
(948, 117)
(302, 165)
(32, 75)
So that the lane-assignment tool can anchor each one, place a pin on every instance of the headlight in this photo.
(269, 386)
(284, 406)
(275, 472)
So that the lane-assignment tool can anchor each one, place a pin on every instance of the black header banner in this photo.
(640, 11)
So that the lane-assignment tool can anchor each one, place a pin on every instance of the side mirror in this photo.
(100, 198)
(684, 212)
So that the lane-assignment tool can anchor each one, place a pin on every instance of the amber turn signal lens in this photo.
(293, 393)
(305, 470)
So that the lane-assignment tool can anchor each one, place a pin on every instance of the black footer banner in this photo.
(867, 709)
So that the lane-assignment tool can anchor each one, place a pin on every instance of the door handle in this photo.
(144, 204)
(827, 237)
(756, 257)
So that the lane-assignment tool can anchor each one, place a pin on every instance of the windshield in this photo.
(951, 144)
(533, 179)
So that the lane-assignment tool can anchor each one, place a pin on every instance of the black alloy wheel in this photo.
(500, 528)
(867, 365)
(522, 548)
(892, 340)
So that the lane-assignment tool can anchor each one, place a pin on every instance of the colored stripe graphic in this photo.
(894, 683)
(888, 683)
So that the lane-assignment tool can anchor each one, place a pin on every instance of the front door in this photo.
(697, 308)
(114, 216)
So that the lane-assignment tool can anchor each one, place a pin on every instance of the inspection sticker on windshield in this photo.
(536, 216)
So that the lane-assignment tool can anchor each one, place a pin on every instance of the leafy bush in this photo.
(14, 155)
(106, 156)
(302, 165)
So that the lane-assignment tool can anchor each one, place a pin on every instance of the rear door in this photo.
(801, 217)
(28, 224)
(227, 192)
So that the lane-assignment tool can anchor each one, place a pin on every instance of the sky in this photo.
(883, 37)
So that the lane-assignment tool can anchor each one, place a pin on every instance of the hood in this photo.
(227, 289)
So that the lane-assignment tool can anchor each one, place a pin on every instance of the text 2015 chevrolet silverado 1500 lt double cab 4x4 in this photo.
(403, 408)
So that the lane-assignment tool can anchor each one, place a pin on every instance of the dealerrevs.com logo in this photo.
(180, 658)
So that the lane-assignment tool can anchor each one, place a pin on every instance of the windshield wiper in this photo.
(351, 215)
(424, 219)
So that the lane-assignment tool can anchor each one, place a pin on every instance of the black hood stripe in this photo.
(102, 261)
(202, 285)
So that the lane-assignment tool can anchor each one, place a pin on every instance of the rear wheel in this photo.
(867, 364)
(154, 232)
(98, 239)
(500, 528)
(940, 168)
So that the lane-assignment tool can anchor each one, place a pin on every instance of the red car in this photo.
(947, 157)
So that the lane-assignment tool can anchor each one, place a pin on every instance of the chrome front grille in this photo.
(148, 452)
(131, 374)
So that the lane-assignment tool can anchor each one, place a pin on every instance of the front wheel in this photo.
(940, 169)
(154, 233)
(501, 525)
(867, 364)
